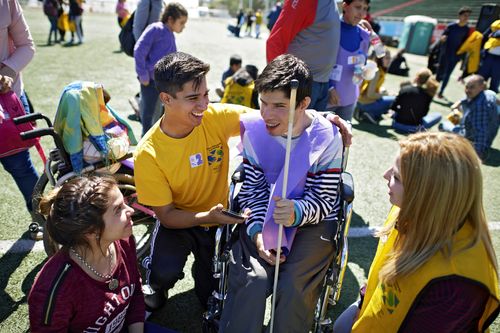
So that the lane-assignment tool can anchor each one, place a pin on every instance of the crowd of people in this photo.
(64, 16)
(435, 259)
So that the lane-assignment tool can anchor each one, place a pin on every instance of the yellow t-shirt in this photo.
(191, 172)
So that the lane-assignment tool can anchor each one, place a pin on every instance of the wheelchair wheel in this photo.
(39, 191)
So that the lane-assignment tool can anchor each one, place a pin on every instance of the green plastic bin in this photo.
(417, 34)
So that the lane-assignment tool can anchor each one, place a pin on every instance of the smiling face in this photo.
(177, 25)
(117, 218)
(185, 111)
(274, 109)
(355, 11)
(393, 177)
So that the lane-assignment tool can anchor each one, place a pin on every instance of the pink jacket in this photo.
(16, 45)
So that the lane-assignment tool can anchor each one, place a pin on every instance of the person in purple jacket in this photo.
(156, 41)
(346, 75)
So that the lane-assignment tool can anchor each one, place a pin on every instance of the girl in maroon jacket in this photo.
(92, 284)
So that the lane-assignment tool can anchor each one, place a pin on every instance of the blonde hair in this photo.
(441, 176)
(424, 79)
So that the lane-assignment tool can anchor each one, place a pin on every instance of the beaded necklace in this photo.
(112, 282)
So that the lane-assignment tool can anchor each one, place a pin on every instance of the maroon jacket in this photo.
(66, 299)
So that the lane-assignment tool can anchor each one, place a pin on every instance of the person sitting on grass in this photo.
(240, 88)
(308, 213)
(411, 107)
(398, 65)
(435, 269)
(479, 120)
(374, 100)
(92, 283)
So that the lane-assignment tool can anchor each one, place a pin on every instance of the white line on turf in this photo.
(26, 245)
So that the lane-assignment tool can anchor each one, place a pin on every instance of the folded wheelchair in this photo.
(89, 138)
(332, 283)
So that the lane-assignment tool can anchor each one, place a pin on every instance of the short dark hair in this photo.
(281, 71)
(235, 60)
(174, 10)
(252, 70)
(174, 70)
(464, 9)
(76, 209)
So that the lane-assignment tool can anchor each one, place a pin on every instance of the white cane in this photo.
(294, 84)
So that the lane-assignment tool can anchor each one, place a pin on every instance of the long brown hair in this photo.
(441, 176)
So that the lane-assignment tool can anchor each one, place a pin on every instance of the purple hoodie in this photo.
(155, 42)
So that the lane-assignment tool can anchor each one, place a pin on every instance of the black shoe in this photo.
(36, 231)
(153, 299)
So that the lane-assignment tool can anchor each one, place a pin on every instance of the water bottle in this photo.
(377, 45)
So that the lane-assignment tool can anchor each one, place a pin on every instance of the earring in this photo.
(97, 237)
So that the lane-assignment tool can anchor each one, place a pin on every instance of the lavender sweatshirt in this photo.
(155, 42)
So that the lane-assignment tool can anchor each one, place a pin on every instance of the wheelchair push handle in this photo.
(36, 133)
(32, 117)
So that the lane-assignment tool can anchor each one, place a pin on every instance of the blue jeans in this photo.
(53, 28)
(22, 170)
(319, 96)
(344, 112)
(149, 103)
(24, 102)
(379, 107)
(427, 122)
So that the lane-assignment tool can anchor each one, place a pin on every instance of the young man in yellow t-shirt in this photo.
(181, 170)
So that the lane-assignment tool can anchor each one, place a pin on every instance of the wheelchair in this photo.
(58, 169)
(331, 286)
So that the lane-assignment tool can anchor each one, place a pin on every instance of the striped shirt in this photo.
(320, 199)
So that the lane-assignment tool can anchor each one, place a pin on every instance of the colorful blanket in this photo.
(82, 114)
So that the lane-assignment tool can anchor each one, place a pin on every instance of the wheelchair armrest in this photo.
(238, 174)
(347, 187)
(32, 117)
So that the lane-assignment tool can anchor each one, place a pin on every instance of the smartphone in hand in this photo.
(232, 214)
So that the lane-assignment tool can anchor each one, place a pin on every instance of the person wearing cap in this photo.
(453, 37)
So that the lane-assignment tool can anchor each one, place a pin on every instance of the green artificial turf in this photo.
(99, 59)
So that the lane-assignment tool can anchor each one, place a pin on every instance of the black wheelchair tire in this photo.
(49, 245)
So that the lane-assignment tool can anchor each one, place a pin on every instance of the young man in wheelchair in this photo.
(181, 170)
(308, 215)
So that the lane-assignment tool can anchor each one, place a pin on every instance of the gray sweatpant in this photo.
(251, 282)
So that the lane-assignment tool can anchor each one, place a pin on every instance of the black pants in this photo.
(170, 250)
